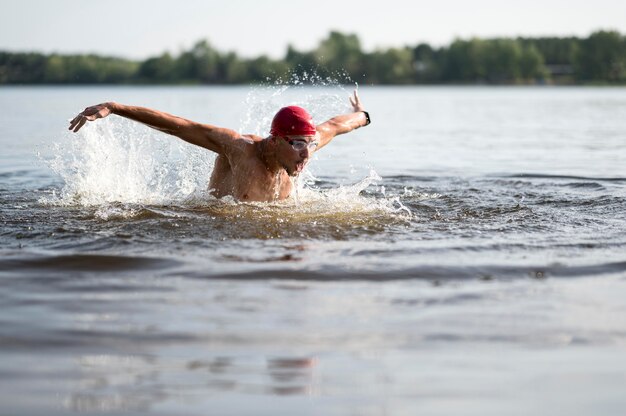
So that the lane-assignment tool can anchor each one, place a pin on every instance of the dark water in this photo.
(464, 254)
(437, 228)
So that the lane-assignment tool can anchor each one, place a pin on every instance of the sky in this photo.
(138, 29)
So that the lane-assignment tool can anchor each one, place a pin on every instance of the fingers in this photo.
(81, 123)
(74, 121)
(88, 114)
(78, 122)
(355, 101)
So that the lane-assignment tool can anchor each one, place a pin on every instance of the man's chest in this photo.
(252, 181)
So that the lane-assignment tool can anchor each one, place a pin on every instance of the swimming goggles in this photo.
(299, 145)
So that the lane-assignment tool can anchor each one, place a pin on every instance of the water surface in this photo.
(463, 254)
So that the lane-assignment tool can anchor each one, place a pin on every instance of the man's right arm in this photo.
(344, 123)
(216, 139)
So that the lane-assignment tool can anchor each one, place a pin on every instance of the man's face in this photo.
(295, 151)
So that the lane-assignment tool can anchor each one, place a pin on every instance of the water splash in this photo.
(120, 161)
(277, 185)
(345, 198)
(119, 167)
(328, 100)
(333, 213)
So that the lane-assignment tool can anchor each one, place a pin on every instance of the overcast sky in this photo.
(142, 28)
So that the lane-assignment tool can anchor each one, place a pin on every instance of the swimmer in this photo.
(247, 167)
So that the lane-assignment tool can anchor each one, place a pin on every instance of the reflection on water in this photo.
(292, 375)
(482, 272)
(110, 383)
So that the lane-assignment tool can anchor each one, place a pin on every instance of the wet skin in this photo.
(246, 174)
(247, 167)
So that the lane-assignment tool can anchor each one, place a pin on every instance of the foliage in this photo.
(599, 58)
(602, 57)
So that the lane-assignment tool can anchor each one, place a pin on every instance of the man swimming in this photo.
(247, 167)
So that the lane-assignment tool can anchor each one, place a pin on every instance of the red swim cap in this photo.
(292, 120)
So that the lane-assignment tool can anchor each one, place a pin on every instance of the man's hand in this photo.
(356, 102)
(344, 123)
(90, 114)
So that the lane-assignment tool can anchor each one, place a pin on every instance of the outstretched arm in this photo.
(217, 139)
(344, 123)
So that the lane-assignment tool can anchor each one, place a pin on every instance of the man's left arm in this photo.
(344, 123)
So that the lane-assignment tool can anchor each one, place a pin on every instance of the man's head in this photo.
(292, 121)
(296, 138)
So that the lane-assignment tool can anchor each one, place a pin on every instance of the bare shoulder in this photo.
(251, 138)
(241, 142)
(244, 145)
(248, 141)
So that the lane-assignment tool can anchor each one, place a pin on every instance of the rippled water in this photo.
(464, 254)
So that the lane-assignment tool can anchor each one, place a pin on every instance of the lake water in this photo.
(463, 254)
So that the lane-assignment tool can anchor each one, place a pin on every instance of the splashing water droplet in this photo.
(125, 162)
(295, 187)
(277, 186)
(121, 162)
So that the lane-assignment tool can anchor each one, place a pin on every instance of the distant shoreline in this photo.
(599, 59)
(251, 84)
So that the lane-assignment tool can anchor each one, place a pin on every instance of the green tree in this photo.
(233, 70)
(531, 64)
(391, 66)
(340, 52)
(22, 68)
(300, 63)
(503, 57)
(159, 69)
(263, 68)
(55, 70)
(199, 64)
(602, 57)
(465, 61)
(555, 51)
(426, 63)
(599, 58)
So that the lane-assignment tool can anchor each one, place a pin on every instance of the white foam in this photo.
(115, 161)
(262, 102)
(119, 161)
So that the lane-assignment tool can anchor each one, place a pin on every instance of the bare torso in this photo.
(248, 167)
(244, 176)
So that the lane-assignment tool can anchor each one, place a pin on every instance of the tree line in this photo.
(599, 58)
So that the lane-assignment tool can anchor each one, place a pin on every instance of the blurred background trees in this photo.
(599, 58)
(602, 56)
